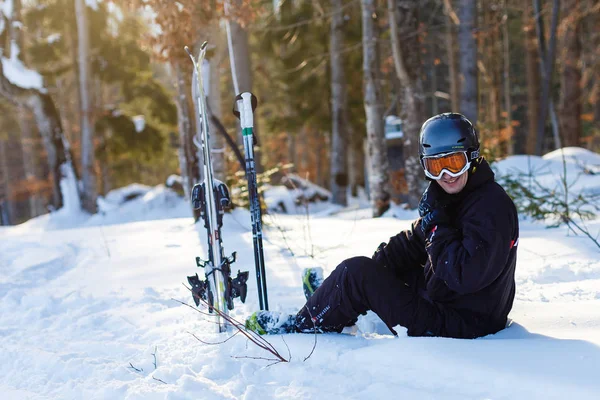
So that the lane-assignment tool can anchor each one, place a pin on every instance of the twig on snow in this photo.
(315, 330)
(154, 355)
(136, 369)
(254, 337)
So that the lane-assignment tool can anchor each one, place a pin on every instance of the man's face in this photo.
(453, 185)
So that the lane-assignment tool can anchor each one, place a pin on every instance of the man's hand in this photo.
(433, 218)
(431, 209)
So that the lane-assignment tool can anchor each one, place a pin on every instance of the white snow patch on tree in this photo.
(140, 123)
(68, 186)
(93, 4)
(53, 38)
(7, 7)
(18, 74)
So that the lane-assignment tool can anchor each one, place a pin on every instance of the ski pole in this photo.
(246, 104)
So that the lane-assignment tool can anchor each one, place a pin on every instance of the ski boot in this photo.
(271, 323)
(312, 278)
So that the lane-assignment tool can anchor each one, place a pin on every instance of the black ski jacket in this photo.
(469, 262)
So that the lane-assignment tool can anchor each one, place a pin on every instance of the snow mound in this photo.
(578, 161)
(294, 194)
(138, 202)
(581, 168)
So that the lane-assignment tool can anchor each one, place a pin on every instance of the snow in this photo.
(87, 311)
(140, 123)
(93, 4)
(53, 38)
(6, 6)
(18, 74)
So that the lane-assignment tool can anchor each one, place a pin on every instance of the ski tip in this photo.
(187, 50)
(203, 45)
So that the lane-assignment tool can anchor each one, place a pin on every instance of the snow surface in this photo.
(87, 312)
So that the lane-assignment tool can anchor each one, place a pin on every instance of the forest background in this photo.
(100, 91)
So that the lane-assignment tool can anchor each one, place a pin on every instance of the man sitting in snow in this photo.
(451, 274)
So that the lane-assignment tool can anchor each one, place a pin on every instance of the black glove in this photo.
(433, 218)
(380, 257)
(432, 208)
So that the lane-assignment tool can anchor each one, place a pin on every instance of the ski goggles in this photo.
(454, 164)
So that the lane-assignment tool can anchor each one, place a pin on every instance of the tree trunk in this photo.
(16, 35)
(88, 177)
(377, 150)
(404, 21)
(36, 206)
(467, 15)
(339, 104)
(188, 156)
(533, 77)
(490, 84)
(547, 68)
(510, 145)
(49, 125)
(356, 164)
(6, 202)
(242, 73)
(451, 21)
(303, 142)
(570, 79)
(292, 150)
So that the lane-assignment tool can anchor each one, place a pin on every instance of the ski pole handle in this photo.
(243, 108)
(248, 101)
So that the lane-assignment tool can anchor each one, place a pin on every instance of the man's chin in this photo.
(454, 187)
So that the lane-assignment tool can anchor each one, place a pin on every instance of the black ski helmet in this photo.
(447, 133)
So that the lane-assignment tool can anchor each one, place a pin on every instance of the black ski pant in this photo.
(360, 284)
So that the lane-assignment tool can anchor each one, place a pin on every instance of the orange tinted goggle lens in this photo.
(453, 162)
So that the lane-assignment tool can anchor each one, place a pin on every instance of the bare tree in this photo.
(532, 71)
(6, 203)
(188, 155)
(451, 22)
(547, 57)
(406, 50)
(339, 133)
(570, 78)
(16, 36)
(467, 15)
(88, 176)
(241, 65)
(376, 146)
(356, 163)
(34, 97)
(506, 72)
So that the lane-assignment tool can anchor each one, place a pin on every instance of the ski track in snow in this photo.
(86, 311)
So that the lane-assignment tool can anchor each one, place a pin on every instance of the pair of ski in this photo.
(218, 289)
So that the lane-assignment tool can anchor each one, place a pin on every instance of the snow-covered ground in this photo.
(87, 312)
